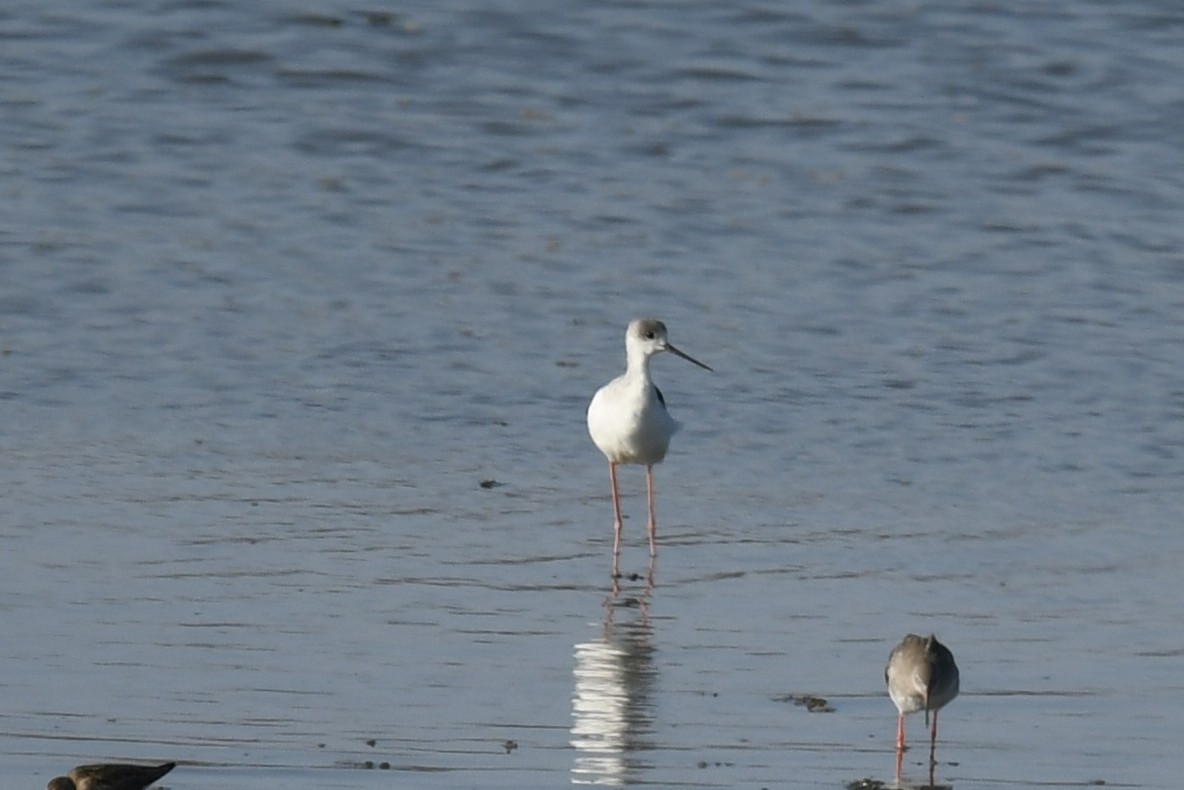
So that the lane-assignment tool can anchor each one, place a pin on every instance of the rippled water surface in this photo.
(301, 306)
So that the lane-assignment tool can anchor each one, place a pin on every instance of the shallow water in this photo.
(282, 288)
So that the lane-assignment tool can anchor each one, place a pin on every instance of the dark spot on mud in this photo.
(379, 18)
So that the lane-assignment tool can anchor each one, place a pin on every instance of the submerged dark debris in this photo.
(368, 765)
(866, 784)
(808, 701)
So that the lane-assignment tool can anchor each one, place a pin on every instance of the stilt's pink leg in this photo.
(649, 492)
(612, 476)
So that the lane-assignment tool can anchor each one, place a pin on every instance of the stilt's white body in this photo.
(627, 418)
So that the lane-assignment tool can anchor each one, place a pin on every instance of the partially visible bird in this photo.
(921, 675)
(627, 418)
(110, 776)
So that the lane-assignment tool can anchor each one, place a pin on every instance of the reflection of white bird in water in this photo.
(110, 776)
(627, 418)
(612, 713)
(921, 675)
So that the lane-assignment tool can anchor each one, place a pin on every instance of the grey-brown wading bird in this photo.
(921, 675)
(628, 421)
(110, 776)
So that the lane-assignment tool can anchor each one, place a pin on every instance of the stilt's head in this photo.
(646, 337)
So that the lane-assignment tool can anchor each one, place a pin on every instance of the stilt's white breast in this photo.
(628, 422)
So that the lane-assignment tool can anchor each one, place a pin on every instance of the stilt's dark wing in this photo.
(661, 400)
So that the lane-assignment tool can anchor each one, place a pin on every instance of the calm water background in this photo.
(282, 283)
